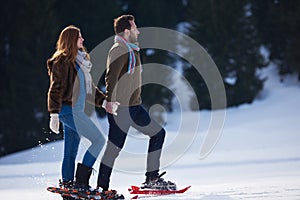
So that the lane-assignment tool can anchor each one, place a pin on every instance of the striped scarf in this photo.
(131, 48)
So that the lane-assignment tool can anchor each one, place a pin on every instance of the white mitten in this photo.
(54, 123)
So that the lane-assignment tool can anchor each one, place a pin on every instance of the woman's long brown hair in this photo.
(66, 45)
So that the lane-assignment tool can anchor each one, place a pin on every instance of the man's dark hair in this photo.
(121, 23)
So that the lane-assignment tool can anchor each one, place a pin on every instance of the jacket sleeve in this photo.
(117, 59)
(97, 97)
(56, 88)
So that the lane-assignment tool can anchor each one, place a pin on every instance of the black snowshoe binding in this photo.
(111, 195)
(108, 194)
(158, 183)
(66, 185)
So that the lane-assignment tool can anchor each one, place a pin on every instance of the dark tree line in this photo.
(227, 31)
(232, 32)
(29, 30)
(278, 24)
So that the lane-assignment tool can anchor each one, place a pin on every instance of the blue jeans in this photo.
(78, 124)
(137, 117)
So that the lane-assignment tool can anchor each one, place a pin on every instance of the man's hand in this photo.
(111, 107)
(54, 123)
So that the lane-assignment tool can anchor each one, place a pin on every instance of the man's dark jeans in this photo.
(137, 117)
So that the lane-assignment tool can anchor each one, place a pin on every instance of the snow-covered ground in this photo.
(257, 156)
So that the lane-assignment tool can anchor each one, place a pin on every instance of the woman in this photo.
(70, 87)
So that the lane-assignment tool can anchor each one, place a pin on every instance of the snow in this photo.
(257, 156)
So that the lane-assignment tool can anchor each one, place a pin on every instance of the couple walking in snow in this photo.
(71, 86)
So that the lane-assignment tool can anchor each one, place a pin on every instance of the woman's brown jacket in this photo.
(64, 86)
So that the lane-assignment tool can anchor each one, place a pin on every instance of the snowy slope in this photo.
(257, 156)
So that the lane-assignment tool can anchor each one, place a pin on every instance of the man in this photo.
(123, 84)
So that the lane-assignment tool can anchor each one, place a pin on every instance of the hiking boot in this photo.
(158, 183)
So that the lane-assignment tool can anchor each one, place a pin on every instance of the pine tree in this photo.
(225, 29)
(28, 33)
(23, 105)
(278, 23)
